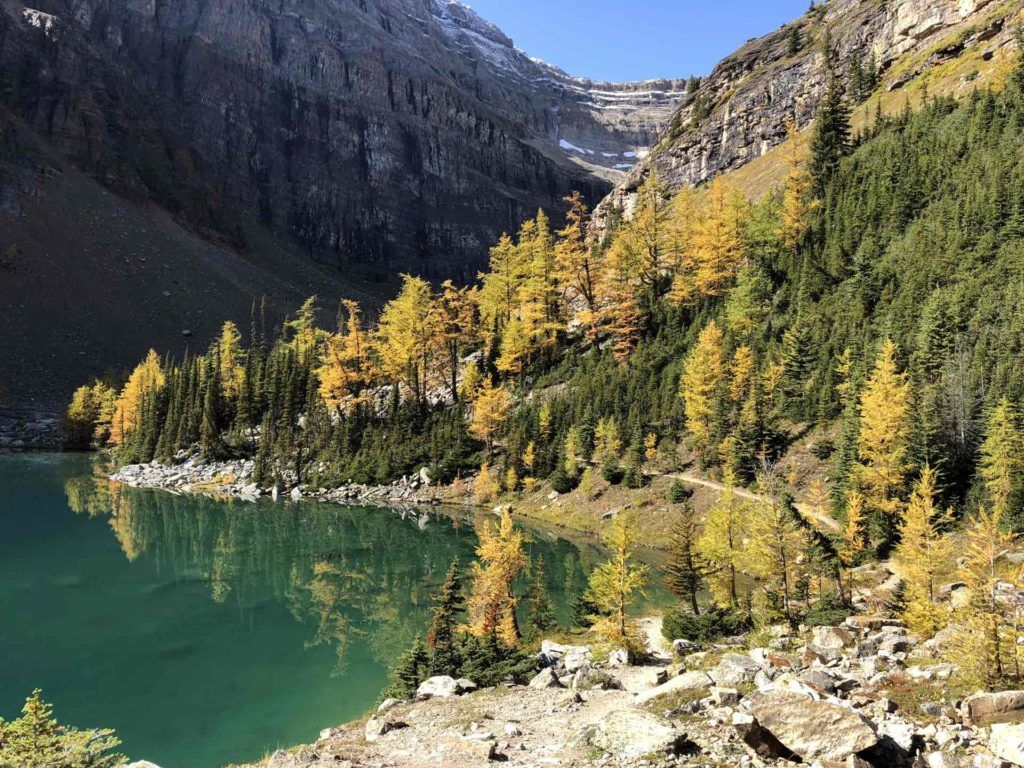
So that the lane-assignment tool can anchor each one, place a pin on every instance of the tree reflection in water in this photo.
(348, 573)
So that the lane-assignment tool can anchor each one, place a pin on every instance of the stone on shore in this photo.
(631, 733)
(688, 681)
(811, 729)
(1007, 742)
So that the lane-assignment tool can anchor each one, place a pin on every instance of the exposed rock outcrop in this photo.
(402, 133)
(741, 111)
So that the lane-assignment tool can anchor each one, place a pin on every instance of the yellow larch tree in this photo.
(607, 442)
(577, 264)
(345, 370)
(923, 556)
(884, 439)
(797, 202)
(722, 543)
(985, 629)
(491, 608)
(615, 584)
(620, 314)
(854, 538)
(717, 247)
(778, 543)
(453, 330)
(403, 336)
(500, 286)
(703, 375)
(491, 407)
(644, 244)
(230, 357)
(147, 376)
(1002, 456)
(301, 331)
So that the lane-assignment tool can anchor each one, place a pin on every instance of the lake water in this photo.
(207, 632)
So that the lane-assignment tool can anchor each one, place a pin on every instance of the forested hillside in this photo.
(705, 320)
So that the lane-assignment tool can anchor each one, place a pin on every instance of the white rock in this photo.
(688, 681)
(577, 657)
(1007, 741)
(618, 658)
(441, 686)
(833, 638)
(632, 733)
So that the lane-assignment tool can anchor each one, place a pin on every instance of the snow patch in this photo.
(573, 148)
(40, 20)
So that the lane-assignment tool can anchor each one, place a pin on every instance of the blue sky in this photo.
(635, 39)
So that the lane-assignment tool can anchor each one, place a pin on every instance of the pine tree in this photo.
(615, 584)
(831, 138)
(411, 669)
(922, 555)
(541, 611)
(442, 637)
(685, 570)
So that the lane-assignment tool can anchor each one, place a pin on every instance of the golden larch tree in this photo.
(722, 543)
(491, 407)
(703, 374)
(1002, 456)
(491, 608)
(615, 584)
(923, 556)
(403, 336)
(147, 376)
(884, 439)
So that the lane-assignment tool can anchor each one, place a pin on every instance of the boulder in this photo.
(834, 638)
(378, 726)
(683, 647)
(1003, 705)
(735, 669)
(1007, 741)
(725, 697)
(546, 678)
(142, 764)
(688, 681)
(619, 658)
(576, 657)
(441, 686)
(632, 733)
(757, 738)
(811, 729)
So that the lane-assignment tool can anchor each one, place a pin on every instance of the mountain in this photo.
(242, 144)
(403, 134)
(741, 111)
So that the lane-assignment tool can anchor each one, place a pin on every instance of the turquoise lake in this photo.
(209, 632)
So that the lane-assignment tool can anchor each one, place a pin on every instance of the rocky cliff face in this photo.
(402, 133)
(741, 111)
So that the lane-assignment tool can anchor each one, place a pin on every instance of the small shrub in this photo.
(561, 482)
(827, 612)
(823, 450)
(611, 471)
(679, 492)
(709, 627)
(633, 477)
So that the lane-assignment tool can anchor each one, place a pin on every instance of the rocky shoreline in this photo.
(827, 696)
(235, 479)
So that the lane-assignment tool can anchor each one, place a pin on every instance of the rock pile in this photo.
(821, 697)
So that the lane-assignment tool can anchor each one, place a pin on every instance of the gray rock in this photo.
(378, 726)
(688, 681)
(577, 657)
(1006, 740)
(632, 733)
(983, 707)
(735, 669)
(811, 729)
(440, 686)
(546, 678)
(833, 638)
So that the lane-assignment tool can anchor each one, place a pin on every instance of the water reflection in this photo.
(346, 574)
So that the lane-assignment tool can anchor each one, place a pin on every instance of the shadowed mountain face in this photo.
(403, 134)
(163, 162)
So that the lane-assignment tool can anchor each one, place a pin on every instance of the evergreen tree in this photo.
(541, 611)
(442, 640)
(831, 138)
(685, 570)
(411, 669)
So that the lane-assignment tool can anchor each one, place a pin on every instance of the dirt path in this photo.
(815, 516)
